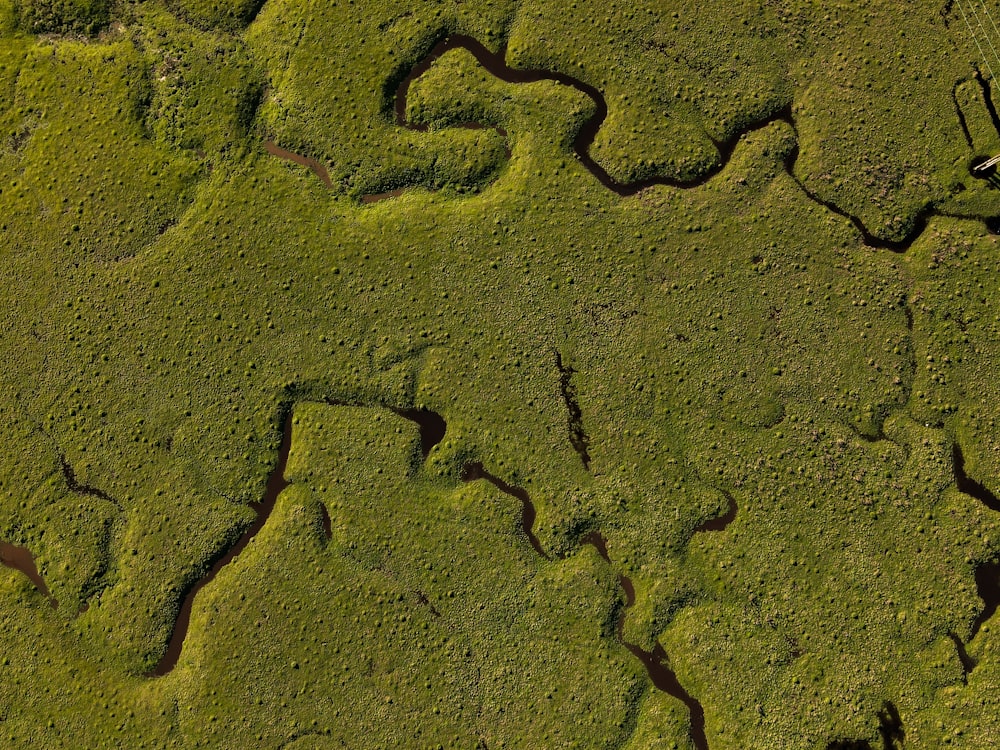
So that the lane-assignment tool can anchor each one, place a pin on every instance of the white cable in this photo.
(986, 35)
(990, 16)
(975, 38)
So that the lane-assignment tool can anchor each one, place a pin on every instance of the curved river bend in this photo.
(496, 64)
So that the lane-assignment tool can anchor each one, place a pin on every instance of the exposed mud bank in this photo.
(306, 161)
(21, 559)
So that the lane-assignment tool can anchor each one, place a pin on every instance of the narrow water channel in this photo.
(306, 161)
(432, 428)
(655, 662)
(475, 471)
(275, 484)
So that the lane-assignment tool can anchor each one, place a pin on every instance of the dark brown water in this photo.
(987, 573)
(21, 559)
(275, 484)
(306, 161)
(721, 522)
(890, 730)
(474, 471)
(84, 489)
(431, 425)
(968, 485)
(495, 63)
(968, 663)
(988, 587)
(432, 429)
(656, 662)
(578, 437)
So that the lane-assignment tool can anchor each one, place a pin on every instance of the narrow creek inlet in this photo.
(656, 661)
(432, 428)
(306, 161)
(472, 472)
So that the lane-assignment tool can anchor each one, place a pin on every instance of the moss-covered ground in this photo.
(799, 321)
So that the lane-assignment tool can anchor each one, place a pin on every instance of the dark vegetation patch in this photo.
(220, 15)
(577, 433)
(63, 16)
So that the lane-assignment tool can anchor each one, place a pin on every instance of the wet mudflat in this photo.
(306, 161)
(21, 559)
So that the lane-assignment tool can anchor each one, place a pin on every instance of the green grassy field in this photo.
(799, 319)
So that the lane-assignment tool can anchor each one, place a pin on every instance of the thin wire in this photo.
(985, 33)
(975, 38)
(990, 16)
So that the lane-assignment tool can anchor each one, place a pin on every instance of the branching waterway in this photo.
(655, 662)
(432, 428)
